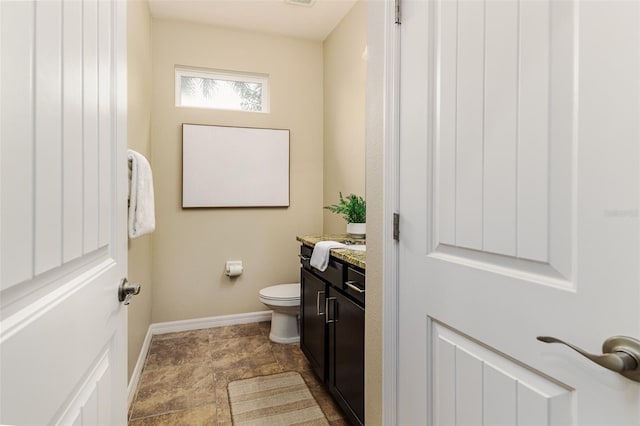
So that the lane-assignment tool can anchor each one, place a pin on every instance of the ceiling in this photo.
(313, 22)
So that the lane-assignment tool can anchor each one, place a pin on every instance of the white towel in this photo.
(321, 253)
(142, 218)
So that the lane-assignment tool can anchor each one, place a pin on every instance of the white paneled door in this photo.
(63, 212)
(519, 210)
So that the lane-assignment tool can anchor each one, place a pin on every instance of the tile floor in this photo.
(185, 376)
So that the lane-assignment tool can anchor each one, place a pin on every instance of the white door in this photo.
(63, 206)
(519, 207)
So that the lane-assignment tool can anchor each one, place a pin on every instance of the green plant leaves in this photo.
(353, 208)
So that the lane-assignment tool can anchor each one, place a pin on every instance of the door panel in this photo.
(90, 125)
(86, 404)
(47, 139)
(501, 92)
(63, 218)
(477, 386)
(72, 112)
(519, 199)
(493, 139)
(17, 122)
(45, 168)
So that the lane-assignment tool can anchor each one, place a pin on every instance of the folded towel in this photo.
(142, 218)
(320, 255)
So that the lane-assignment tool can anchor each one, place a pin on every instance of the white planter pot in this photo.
(357, 229)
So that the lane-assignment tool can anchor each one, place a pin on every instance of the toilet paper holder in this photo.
(233, 268)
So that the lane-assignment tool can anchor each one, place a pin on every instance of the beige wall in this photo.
(345, 75)
(190, 247)
(139, 122)
(375, 219)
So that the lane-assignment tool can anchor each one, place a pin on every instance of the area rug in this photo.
(278, 399)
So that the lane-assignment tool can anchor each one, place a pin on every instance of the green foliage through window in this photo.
(197, 88)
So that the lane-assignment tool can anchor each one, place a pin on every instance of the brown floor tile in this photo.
(204, 415)
(237, 352)
(341, 422)
(186, 374)
(240, 330)
(245, 372)
(310, 377)
(188, 347)
(290, 357)
(173, 388)
(203, 332)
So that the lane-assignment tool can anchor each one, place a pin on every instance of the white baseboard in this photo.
(137, 371)
(199, 323)
(187, 325)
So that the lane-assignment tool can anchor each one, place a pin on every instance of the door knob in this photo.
(126, 291)
(620, 354)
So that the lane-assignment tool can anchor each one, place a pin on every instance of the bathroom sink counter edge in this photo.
(354, 257)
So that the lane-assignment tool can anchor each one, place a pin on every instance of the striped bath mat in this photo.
(278, 399)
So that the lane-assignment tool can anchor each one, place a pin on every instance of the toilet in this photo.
(284, 301)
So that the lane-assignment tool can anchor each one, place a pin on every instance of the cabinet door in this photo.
(312, 321)
(346, 354)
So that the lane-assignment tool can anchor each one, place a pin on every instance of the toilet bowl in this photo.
(284, 301)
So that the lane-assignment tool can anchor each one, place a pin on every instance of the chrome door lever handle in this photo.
(126, 291)
(620, 354)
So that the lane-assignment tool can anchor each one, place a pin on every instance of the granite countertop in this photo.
(357, 258)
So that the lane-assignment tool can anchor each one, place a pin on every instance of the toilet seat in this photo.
(281, 295)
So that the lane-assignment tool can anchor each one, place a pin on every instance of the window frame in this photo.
(238, 76)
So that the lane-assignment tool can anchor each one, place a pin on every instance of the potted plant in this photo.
(354, 210)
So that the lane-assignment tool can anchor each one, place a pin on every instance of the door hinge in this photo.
(396, 226)
(398, 12)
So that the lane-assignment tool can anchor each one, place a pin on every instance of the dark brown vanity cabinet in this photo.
(332, 330)
(345, 320)
(313, 330)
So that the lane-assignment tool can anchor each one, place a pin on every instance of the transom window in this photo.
(231, 90)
